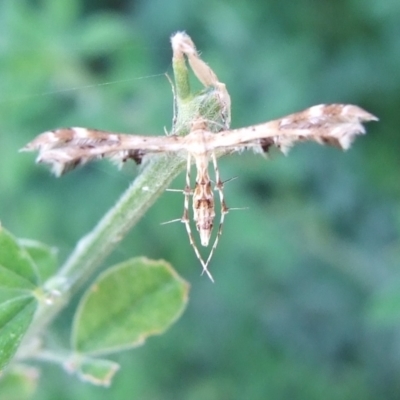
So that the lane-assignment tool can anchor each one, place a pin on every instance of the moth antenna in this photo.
(205, 269)
(224, 210)
(187, 192)
(215, 244)
(186, 221)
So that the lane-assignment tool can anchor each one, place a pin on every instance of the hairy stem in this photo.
(93, 248)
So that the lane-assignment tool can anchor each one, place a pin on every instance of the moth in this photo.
(331, 124)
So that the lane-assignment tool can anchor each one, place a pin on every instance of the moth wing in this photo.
(333, 124)
(65, 149)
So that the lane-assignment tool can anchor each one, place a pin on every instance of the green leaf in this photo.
(18, 280)
(15, 318)
(19, 383)
(127, 303)
(44, 257)
(16, 267)
(94, 370)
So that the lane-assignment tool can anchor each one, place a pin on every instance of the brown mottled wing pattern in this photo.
(333, 124)
(65, 149)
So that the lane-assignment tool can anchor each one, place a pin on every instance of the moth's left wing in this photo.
(332, 124)
(65, 149)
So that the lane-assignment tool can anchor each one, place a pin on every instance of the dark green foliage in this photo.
(305, 304)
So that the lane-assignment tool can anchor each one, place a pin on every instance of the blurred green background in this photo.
(306, 303)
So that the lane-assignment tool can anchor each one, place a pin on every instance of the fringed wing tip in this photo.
(360, 113)
(33, 145)
(42, 143)
(46, 140)
(58, 169)
(347, 137)
(335, 124)
(57, 166)
(25, 149)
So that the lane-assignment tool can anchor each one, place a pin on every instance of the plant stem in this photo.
(93, 248)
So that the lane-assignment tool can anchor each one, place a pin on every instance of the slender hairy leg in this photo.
(219, 186)
(186, 220)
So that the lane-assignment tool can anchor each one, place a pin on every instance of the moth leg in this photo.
(185, 220)
(219, 186)
(187, 192)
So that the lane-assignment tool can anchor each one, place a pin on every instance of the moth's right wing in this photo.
(65, 149)
(332, 124)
